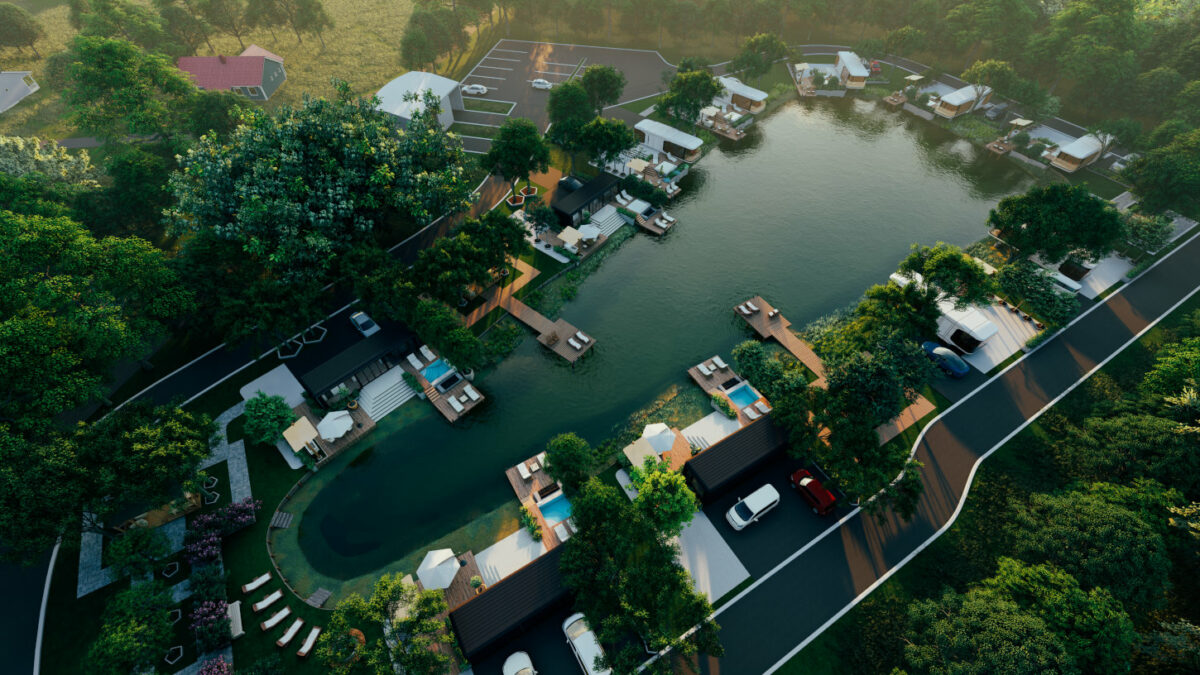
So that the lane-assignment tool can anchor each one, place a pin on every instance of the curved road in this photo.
(799, 598)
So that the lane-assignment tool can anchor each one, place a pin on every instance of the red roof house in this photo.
(255, 74)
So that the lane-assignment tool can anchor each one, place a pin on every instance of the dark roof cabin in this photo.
(718, 468)
(570, 202)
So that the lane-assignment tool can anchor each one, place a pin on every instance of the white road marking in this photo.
(492, 67)
(487, 77)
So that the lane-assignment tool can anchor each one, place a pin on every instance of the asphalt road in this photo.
(797, 599)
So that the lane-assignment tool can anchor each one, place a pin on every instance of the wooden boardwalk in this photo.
(552, 334)
(769, 323)
(495, 295)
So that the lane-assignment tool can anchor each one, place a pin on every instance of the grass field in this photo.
(483, 105)
(464, 129)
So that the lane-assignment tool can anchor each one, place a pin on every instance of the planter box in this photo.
(529, 190)
(515, 201)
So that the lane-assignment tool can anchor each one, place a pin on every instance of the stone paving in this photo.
(232, 453)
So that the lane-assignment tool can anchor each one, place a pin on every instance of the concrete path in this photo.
(763, 626)
(232, 453)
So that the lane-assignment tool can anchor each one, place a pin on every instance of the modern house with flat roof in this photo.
(1078, 154)
(850, 70)
(962, 101)
(740, 94)
(255, 74)
(403, 97)
(716, 469)
(570, 202)
(15, 85)
(665, 138)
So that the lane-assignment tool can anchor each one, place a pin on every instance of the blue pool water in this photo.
(556, 510)
(435, 370)
(743, 396)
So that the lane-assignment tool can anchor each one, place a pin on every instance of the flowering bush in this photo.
(210, 624)
(229, 519)
(217, 666)
(202, 547)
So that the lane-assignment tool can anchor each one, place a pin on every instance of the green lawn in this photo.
(868, 637)
(465, 129)
(483, 105)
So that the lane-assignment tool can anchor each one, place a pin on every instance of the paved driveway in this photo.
(545, 643)
(766, 626)
(510, 66)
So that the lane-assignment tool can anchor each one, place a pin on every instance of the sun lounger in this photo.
(704, 370)
(582, 338)
(524, 471)
(762, 407)
(428, 353)
(571, 341)
(290, 633)
(267, 601)
(719, 363)
(751, 306)
(743, 310)
(664, 217)
(415, 362)
(562, 532)
(541, 458)
(257, 583)
(471, 393)
(458, 407)
(751, 413)
(309, 642)
(234, 611)
(628, 197)
(275, 619)
(622, 201)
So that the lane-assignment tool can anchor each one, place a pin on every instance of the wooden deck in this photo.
(712, 385)
(723, 128)
(494, 296)
(539, 481)
(459, 591)
(654, 224)
(362, 425)
(778, 327)
(1000, 147)
(895, 99)
(438, 399)
(552, 335)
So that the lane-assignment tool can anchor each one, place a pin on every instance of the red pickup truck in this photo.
(818, 497)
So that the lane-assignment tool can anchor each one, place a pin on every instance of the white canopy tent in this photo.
(660, 436)
(589, 232)
(335, 425)
(438, 568)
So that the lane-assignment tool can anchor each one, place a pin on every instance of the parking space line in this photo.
(485, 112)
(501, 58)
(492, 67)
(510, 51)
(555, 63)
(552, 72)
(486, 77)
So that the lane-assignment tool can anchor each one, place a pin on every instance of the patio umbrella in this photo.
(335, 425)
(589, 233)
(660, 436)
(438, 568)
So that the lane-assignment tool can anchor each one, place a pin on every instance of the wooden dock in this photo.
(769, 323)
(494, 296)
(714, 384)
(527, 490)
(553, 335)
(438, 399)
(654, 224)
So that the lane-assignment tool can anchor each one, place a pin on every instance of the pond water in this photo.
(817, 203)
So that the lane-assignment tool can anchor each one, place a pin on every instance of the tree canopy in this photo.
(603, 85)
(267, 417)
(570, 461)
(517, 151)
(1056, 221)
(1168, 175)
(136, 631)
(604, 139)
(950, 273)
(19, 28)
(664, 498)
(758, 54)
(690, 91)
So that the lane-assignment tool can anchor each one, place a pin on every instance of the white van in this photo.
(752, 507)
(584, 644)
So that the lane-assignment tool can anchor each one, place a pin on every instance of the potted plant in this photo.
(477, 584)
(352, 404)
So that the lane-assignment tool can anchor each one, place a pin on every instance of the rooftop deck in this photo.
(769, 323)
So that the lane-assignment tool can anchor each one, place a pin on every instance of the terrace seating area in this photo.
(715, 376)
(534, 487)
(447, 389)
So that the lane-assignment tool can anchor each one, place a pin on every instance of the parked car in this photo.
(584, 644)
(364, 324)
(817, 495)
(752, 507)
(518, 664)
(996, 112)
(477, 90)
(539, 83)
(945, 358)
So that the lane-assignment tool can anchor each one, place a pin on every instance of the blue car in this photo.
(946, 359)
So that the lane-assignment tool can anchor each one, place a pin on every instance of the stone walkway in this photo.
(232, 453)
(93, 576)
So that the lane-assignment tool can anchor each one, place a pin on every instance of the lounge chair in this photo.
(562, 532)
(704, 370)
(665, 218)
(275, 619)
(523, 471)
(626, 196)
(428, 353)
(290, 633)
(471, 393)
(762, 407)
(257, 583)
(458, 407)
(541, 458)
(309, 642)
(415, 362)
(751, 306)
(267, 601)
(234, 611)
(622, 201)
(719, 363)
(582, 338)
(751, 413)
(571, 341)
(743, 310)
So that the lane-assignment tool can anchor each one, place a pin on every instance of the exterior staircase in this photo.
(385, 393)
(608, 220)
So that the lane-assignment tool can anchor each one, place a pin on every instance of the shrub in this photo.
(723, 405)
(411, 380)
(530, 523)
(267, 417)
(217, 666)
(137, 551)
(208, 583)
(210, 624)
(1021, 139)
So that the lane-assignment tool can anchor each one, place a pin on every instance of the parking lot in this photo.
(509, 68)
(545, 643)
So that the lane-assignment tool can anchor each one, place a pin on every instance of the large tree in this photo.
(604, 139)
(267, 417)
(136, 630)
(1130, 446)
(949, 273)
(569, 108)
(603, 85)
(689, 92)
(231, 17)
(758, 54)
(1168, 175)
(114, 88)
(19, 28)
(1056, 221)
(663, 497)
(1033, 287)
(22, 156)
(570, 461)
(517, 151)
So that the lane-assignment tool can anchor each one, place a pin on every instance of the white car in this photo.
(476, 89)
(364, 324)
(584, 643)
(518, 664)
(752, 507)
(540, 84)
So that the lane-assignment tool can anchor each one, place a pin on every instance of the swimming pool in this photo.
(743, 396)
(555, 510)
(436, 370)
